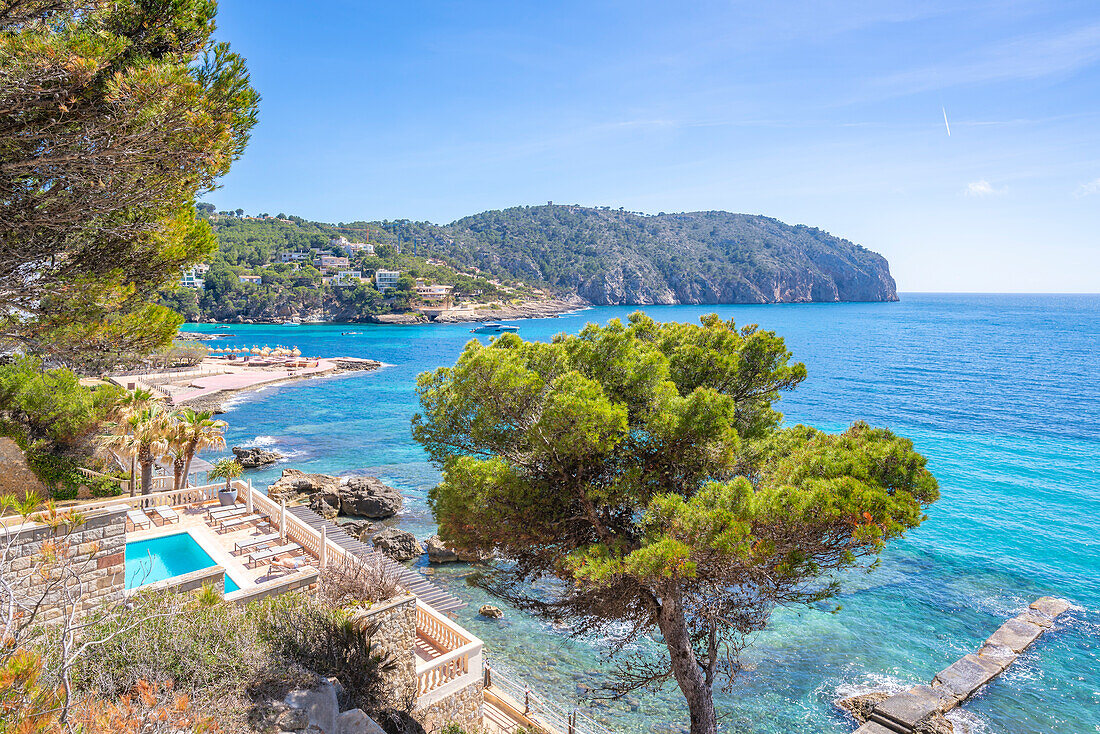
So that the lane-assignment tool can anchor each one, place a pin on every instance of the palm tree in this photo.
(176, 437)
(198, 431)
(228, 469)
(144, 437)
(132, 403)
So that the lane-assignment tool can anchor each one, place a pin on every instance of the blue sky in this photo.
(826, 113)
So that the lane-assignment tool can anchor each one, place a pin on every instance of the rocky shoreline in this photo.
(526, 310)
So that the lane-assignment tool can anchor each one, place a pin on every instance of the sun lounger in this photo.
(222, 509)
(222, 516)
(289, 564)
(253, 543)
(264, 555)
(138, 519)
(236, 522)
(167, 515)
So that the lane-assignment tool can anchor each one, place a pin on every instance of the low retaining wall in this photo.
(305, 579)
(213, 576)
(921, 708)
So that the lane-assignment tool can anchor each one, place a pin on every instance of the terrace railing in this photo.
(516, 699)
(167, 498)
(459, 666)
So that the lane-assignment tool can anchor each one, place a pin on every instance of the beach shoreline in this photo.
(212, 391)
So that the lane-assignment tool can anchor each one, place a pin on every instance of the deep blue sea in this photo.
(1001, 392)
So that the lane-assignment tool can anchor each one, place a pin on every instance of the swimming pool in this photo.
(162, 558)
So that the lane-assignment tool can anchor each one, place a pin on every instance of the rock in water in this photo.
(440, 552)
(369, 497)
(294, 483)
(488, 610)
(319, 504)
(253, 457)
(861, 706)
(399, 545)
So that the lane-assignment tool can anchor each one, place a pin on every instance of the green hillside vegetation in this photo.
(254, 245)
(604, 256)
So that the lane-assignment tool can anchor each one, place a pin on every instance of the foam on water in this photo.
(1002, 393)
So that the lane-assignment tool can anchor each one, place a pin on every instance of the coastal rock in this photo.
(399, 545)
(439, 551)
(937, 723)
(397, 318)
(319, 504)
(488, 610)
(369, 497)
(252, 457)
(355, 721)
(295, 482)
(861, 706)
(359, 529)
(318, 703)
(292, 719)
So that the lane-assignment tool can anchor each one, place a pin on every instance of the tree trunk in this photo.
(145, 458)
(189, 452)
(133, 475)
(685, 667)
(177, 472)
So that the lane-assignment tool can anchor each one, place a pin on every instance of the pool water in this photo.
(162, 558)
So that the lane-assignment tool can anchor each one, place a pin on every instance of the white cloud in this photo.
(1090, 187)
(981, 188)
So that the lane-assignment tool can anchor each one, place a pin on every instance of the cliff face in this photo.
(612, 257)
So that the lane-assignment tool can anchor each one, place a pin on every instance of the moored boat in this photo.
(493, 327)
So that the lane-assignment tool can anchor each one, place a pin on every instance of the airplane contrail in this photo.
(945, 123)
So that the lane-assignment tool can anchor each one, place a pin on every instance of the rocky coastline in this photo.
(527, 310)
(355, 502)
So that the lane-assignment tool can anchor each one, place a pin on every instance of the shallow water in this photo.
(1002, 393)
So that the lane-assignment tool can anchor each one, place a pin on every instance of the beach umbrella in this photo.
(236, 350)
(297, 352)
(255, 350)
(265, 351)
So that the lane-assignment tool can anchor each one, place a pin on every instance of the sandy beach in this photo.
(216, 380)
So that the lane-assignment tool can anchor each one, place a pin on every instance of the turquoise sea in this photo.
(1002, 393)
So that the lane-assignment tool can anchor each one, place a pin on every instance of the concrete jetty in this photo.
(921, 708)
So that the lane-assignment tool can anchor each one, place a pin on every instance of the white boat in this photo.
(493, 327)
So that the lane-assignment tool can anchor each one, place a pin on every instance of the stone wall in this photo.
(463, 707)
(96, 549)
(304, 580)
(213, 576)
(396, 637)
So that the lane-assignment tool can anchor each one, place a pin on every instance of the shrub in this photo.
(326, 641)
(208, 648)
(349, 584)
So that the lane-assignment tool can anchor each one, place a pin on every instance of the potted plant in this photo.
(228, 469)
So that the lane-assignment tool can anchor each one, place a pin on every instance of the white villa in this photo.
(193, 277)
(386, 279)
